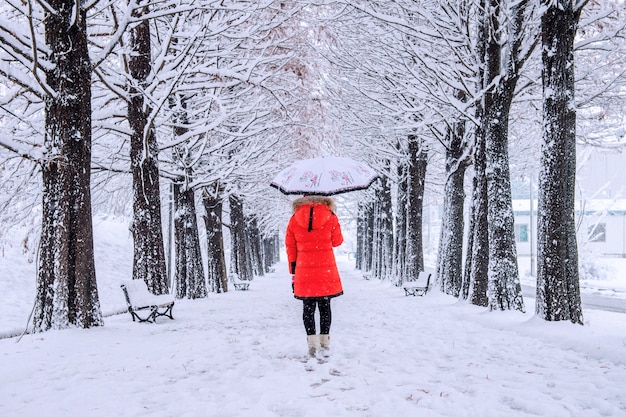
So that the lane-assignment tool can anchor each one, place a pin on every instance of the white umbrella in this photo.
(326, 175)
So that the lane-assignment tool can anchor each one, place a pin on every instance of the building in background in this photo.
(601, 227)
(600, 204)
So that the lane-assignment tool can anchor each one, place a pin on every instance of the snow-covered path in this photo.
(242, 354)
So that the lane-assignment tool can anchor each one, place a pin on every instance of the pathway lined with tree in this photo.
(197, 107)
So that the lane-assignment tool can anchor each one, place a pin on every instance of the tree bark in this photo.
(504, 290)
(417, 175)
(67, 294)
(467, 269)
(401, 220)
(240, 261)
(361, 231)
(254, 243)
(450, 255)
(216, 273)
(270, 248)
(383, 230)
(558, 291)
(480, 239)
(365, 238)
(189, 273)
(149, 252)
(477, 256)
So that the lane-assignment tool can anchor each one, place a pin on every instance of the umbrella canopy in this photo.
(324, 176)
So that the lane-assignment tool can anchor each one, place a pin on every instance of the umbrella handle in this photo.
(311, 219)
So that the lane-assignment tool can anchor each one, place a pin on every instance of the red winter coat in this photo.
(312, 233)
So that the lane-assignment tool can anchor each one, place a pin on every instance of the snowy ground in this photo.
(243, 354)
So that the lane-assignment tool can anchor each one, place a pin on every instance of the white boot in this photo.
(313, 341)
(325, 341)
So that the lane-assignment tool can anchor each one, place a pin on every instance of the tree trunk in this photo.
(417, 175)
(467, 270)
(383, 230)
(216, 273)
(376, 242)
(505, 291)
(480, 239)
(365, 230)
(240, 261)
(387, 225)
(477, 257)
(558, 292)
(189, 273)
(360, 236)
(67, 294)
(401, 220)
(149, 252)
(253, 239)
(275, 242)
(369, 236)
(450, 255)
(271, 252)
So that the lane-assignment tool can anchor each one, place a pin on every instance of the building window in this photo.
(521, 233)
(597, 232)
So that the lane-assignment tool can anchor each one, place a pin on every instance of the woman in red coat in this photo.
(312, 233)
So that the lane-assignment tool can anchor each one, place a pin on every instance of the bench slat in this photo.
(417, 287)
(139, 298)
(241, 286)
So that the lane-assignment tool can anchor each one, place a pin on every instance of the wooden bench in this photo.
(138, 298)
(417, 287)
(241, 286)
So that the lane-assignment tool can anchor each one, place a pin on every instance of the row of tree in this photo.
(194, 94)
(212, 97)
(453, 73)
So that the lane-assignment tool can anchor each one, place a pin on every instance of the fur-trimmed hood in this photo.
(314, 199)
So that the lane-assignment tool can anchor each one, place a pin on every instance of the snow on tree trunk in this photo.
(240, 261)
(376, 234)
(253, 241)
(383, 230)
(401, 219)
(216, 273)
(149, 252)
(450, 254)
(479, 247)
(467, 269)
(477, 256)
(558, 292)
(361, 232)
(504, 290)
(417, 176)
(271, 247)
(365, 230)
(189, 273)
(358, 257)
(67, 294)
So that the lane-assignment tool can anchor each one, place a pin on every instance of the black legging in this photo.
(308, 315)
